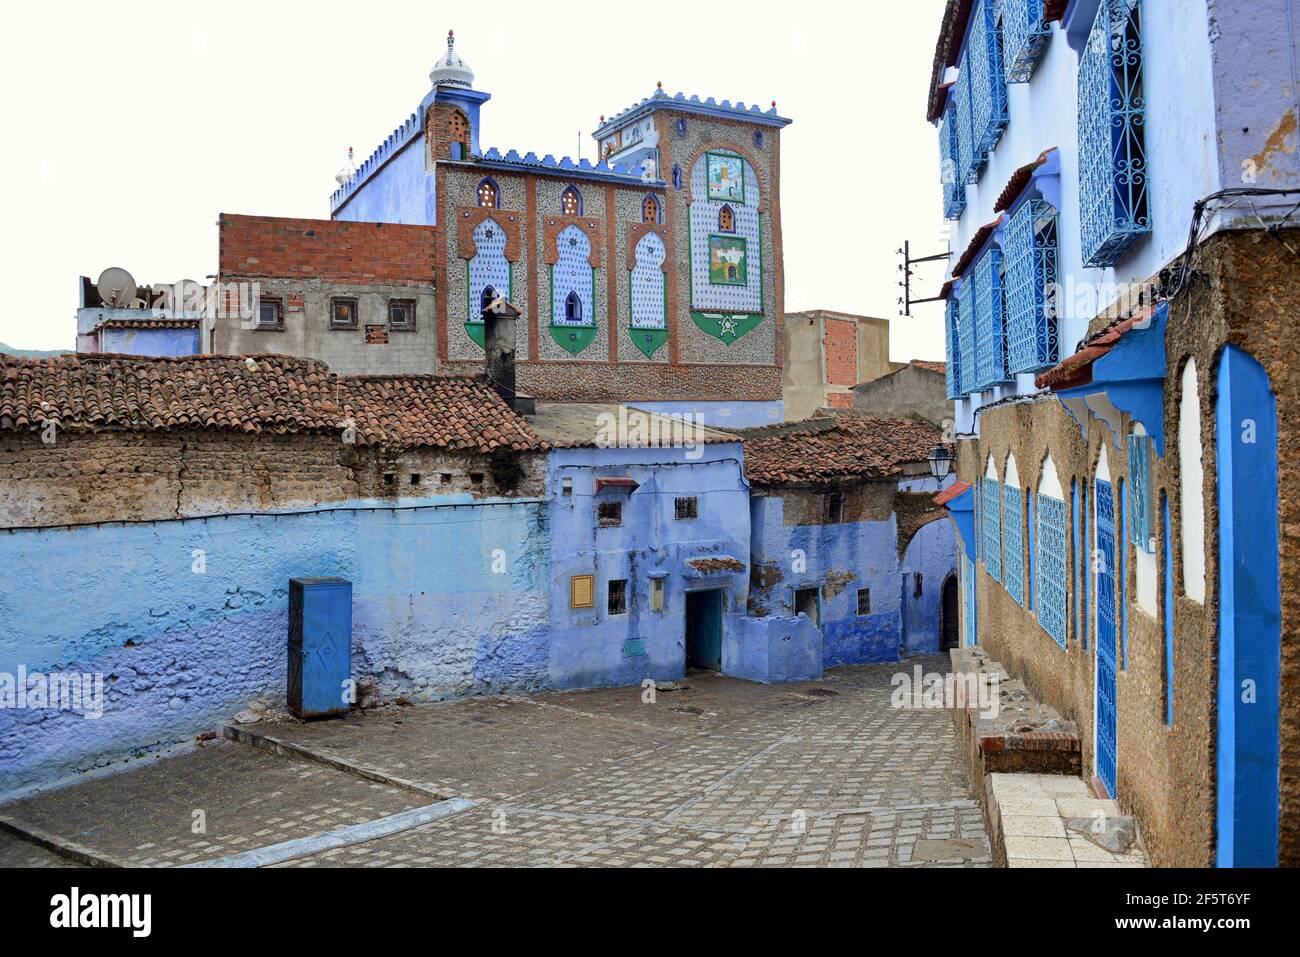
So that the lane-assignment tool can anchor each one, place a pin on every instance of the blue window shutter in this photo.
(969, 160)
(1113, 204)
(1029, 279)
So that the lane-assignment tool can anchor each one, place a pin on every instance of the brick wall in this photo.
(840, 341)
(332, 250)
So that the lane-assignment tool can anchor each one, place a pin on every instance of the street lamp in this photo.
(940, 460)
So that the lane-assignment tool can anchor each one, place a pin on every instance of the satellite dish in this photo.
(116, 287)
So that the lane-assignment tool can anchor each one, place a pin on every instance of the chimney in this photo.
(499, 318)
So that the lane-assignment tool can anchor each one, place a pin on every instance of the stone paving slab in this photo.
(146, 817)
(478, 748)
(1030, 813)
(723, 773)
(18, 853)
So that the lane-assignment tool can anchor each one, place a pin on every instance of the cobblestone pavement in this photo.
(724, 773)
(243, 798)
(720, 773)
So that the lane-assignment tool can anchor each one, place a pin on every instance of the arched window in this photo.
(571, 202)
(650, 210)
(487, 194)
(758, 139)
(573, 308)
(485, 300)
(681, 128)
(677, 177)
(726, 220)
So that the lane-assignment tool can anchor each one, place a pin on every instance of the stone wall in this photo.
(116, 476)
(911, 392)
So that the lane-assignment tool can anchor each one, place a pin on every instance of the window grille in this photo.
(952, 375)
(609, 514)
(687, 507)
(1139, 478)
(993, 529)
(990, 341)
(1029, 281)
(1113, 206)
(1013, 528)
(1051, 567)
(1024, 37)
(864, 601)
(954, 186)
(617, 599)
(966, 337)
(988, 82)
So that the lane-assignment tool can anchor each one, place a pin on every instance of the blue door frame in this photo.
(1250, 615)
(1105, 647)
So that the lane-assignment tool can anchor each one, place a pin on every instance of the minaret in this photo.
(451, 120)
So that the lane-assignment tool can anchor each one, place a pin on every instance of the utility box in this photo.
(320, 647)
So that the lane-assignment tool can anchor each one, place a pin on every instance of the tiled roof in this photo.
(940, 367)
(255, 394)
(835, 444)
(1018, 181)
(1076, 369)
(951, 492)
(148, 324)
(974, 246)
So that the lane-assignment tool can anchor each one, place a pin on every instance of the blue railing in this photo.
(1113, 206)
(1029, 281)
(990, 341)
(966, 337)
(992, 528)
(988, 82)
(969, 160)
(1024, 37)
(1051, 567)
(1013, 528)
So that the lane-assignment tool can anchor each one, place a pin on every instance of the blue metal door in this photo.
(320, 646)
(1104, 563)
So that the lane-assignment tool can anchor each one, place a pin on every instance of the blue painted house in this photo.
(845, 534)
(1122, 180)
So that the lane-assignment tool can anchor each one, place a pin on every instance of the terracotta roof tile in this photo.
(254, 394)
(951, 492)
(836, 445)
(941, 367)
(1076, 370)
(1018, 181)
(148, 324)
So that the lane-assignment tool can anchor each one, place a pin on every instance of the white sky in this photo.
(128, 127)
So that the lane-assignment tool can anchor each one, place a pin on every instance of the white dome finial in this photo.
(451, 70)
(344, 176)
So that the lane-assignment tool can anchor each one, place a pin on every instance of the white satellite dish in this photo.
(116, 287)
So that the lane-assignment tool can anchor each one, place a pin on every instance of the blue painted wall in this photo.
(933, 554)
(590, 647)
(151, 342)
(180, 651)
(810, 556)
